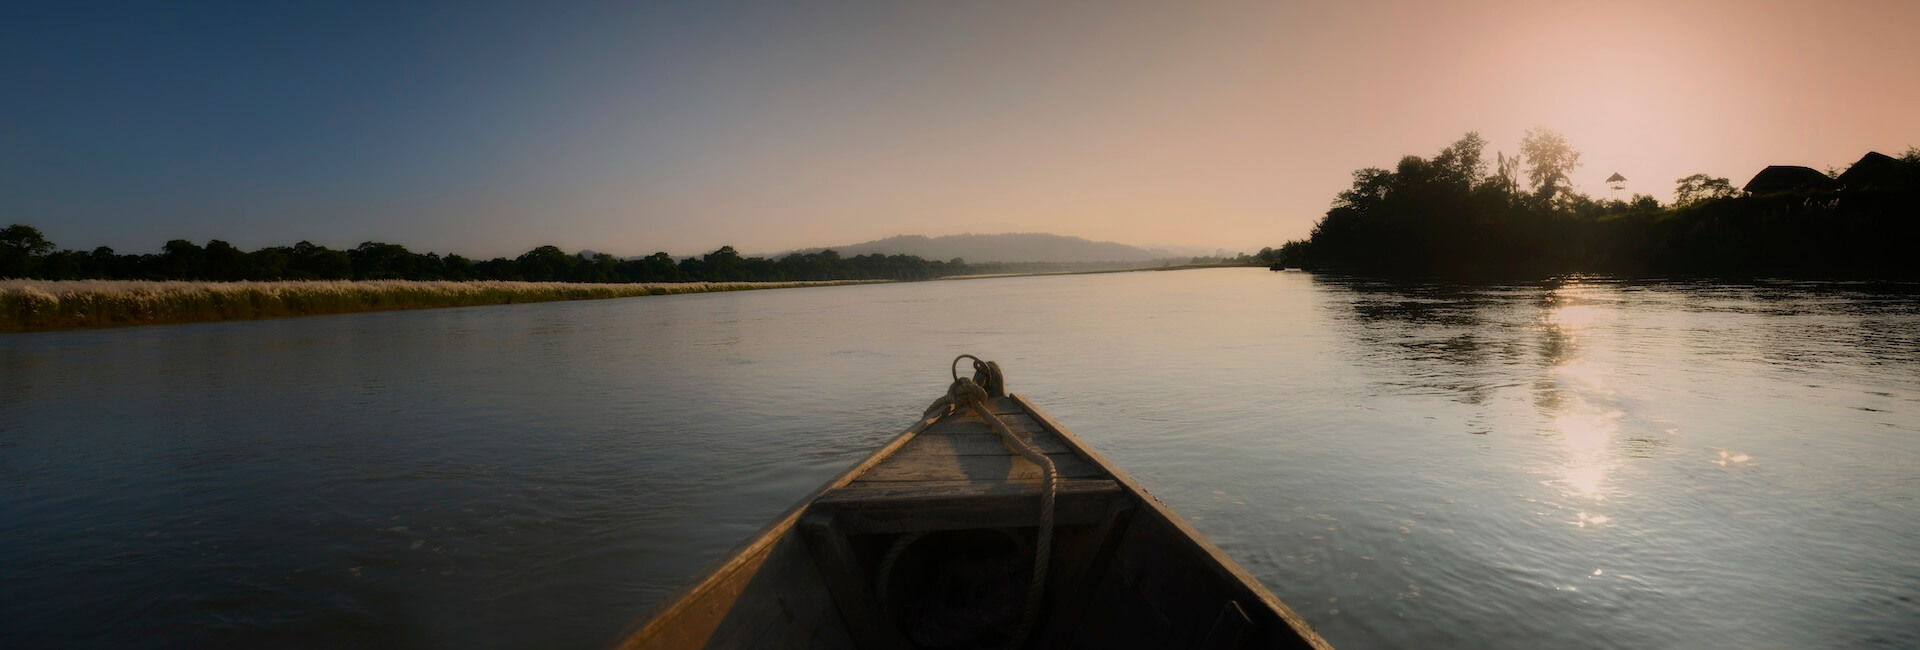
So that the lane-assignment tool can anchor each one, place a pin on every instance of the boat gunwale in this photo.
(1228, 569)
(712, 576)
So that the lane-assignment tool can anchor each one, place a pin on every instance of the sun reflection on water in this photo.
(1580, 394)
(1588, 435)
(1573, 317)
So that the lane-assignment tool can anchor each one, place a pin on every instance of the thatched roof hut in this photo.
(1788, 178)
(1875, 170)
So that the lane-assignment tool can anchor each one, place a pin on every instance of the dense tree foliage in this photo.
(26, 253)
(19, 246)
(1449, 217)
(1701, 187)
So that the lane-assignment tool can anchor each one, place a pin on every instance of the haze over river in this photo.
(1585, 464)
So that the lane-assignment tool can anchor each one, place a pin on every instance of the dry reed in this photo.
(34, 305)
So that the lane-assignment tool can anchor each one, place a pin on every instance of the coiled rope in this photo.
(972, 393)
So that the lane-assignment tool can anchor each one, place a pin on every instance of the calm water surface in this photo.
(1586, 464)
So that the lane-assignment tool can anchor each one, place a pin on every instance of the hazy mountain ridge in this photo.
(1006, 247)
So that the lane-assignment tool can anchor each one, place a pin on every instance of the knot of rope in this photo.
(987, 381)
(962, 394)
(972, 393)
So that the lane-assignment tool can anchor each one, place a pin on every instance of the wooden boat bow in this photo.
(925, 544)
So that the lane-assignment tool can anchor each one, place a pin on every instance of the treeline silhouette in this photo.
(26, 253)
(1459, 215)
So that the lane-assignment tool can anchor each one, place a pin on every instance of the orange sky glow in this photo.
(1235, 127)
(1212, 125)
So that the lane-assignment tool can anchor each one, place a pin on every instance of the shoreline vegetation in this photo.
(42, 305)
(49, 305)
(1460, 216)
(67, 289)
(27, 254)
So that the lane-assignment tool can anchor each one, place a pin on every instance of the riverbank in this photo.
(1131, 269)
(44, 305)
(41, 305)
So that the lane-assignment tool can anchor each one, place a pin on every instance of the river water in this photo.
(1578, 464)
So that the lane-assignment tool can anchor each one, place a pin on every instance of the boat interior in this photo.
(930, 543)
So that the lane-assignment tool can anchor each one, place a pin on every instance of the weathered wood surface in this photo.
(980, 443)
(918, 493)
(919, 507)
(964, 447)
(922, 468)
(971, 422)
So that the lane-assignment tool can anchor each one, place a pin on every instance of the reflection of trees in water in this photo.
(1450, 336)
(1565, 360)
(1458, 340)
(1792, 324)
(1557, 348)
(1473, 341)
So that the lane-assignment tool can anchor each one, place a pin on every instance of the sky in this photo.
(490, 128)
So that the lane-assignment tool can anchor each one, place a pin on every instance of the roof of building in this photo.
(1785, 178)
(1873, 169)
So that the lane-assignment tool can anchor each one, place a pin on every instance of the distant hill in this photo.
(1009, 247)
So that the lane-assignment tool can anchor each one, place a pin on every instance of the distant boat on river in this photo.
(931, 542)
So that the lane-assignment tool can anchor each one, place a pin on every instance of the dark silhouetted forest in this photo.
(1460, 215)
(26, 253)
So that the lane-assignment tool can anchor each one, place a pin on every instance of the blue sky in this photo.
(487, 129)
(251, 120)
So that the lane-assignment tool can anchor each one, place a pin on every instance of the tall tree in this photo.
(312, 262)
(1550, 162)
(1463, 162)
(20, 244)
(724, 265)
(382, 261)
(1506, 175)
(547, 264)
(1701, 187)
(182, 260)
(221, 261)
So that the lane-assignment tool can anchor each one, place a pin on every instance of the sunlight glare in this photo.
(1588, 436)
(1575, 318)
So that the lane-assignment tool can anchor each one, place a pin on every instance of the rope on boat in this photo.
(972, 393)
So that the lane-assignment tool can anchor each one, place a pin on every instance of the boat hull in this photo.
(919, 546)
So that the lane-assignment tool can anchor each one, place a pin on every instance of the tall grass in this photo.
(33, 305)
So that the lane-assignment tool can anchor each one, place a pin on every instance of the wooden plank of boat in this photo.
(927, 544)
